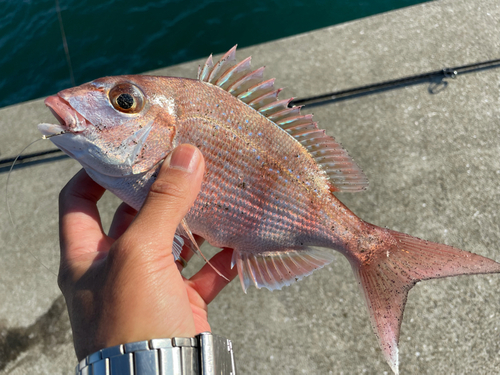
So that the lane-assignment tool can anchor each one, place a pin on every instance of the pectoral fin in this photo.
(194, 246)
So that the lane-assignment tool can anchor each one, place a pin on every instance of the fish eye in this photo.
(127, 98)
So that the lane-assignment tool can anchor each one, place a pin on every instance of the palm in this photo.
(125, 286)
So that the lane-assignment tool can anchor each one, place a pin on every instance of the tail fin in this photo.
(391, 271)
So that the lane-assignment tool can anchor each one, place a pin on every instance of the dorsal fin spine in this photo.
(293, 121)
(233, 74)
(222, 65)
(257, 90)
(273, 108)
(298, 130)
(318, 142)
(283, 113)
(246, 82)
(265, 99)
(297, 133)
(298, 127)
(310, 133)
(207, 67)
(250, 88)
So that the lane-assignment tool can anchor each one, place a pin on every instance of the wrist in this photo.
(204, 354)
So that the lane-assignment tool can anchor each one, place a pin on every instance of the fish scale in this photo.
(251, 199)
(268, 188)
(259, 168)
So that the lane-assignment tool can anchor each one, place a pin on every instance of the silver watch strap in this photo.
(205, 354)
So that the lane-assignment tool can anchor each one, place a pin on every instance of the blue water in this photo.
(109, 37)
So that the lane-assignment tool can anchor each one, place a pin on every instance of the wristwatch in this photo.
(204, 354)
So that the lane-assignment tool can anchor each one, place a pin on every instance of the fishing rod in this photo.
(396, 83)
(45, 156)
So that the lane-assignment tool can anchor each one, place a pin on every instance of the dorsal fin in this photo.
(250, 87)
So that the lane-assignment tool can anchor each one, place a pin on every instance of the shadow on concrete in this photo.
(49, 330)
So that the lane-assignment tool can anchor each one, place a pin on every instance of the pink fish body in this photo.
(269, 183)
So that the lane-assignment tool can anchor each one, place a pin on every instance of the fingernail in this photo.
(184, 158)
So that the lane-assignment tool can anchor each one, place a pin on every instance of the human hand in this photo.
(126, 286)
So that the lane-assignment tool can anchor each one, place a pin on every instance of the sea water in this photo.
(110, 37)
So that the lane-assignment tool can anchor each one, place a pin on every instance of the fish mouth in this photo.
(70, 121)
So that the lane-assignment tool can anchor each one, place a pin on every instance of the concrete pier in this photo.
(431, 151)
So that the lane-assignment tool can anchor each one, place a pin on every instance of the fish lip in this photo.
(69, 119)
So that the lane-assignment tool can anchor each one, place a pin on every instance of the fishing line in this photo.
(8, 205)
(65, 43)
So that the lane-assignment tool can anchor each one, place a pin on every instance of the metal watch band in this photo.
(204, 354)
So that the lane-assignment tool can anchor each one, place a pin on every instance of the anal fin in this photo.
(274, 270)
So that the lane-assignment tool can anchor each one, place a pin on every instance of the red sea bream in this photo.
(269, 183)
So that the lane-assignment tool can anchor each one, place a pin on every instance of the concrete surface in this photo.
(433, 161)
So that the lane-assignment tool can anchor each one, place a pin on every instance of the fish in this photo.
(269, 187)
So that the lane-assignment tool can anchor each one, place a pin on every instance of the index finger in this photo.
(80, 229)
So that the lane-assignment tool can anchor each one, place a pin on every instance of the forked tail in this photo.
(390, 271)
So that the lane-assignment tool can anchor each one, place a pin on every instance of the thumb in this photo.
(169, 199)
